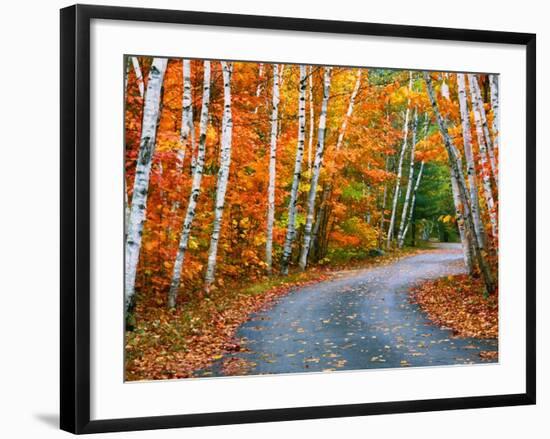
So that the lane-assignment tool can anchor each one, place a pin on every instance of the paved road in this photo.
(362, 319)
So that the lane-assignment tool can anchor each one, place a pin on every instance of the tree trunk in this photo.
(349, 112)
(259, 86)
(382, 212)
(314, 243)
(495, 106)
(456, 169)
(399, 170)
(470, 161)
(139, 75)
(413, 201)
(187, 127)
(401, 234)
(311, 119)
(195, 191)
(318, 163)
(485, 174)
(327, 190)
(291, 227)
(223, 174)
(460, 221)
(478, 106)
(151, 114)
(272, 171)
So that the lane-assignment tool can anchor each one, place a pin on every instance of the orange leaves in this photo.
(377, 175)
(175, 343)
(457, 302)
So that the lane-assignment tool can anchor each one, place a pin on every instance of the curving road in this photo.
(362, 319)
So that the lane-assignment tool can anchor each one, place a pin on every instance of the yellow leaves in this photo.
(211, 134)
(193, 244)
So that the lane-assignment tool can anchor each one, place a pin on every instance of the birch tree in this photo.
(477, 103)
(413, 199)
(259, 86)
(495, 107)
(456, 168)
(223, 174)
(383, 209)
(311, 119)
(139, 75)
(465, 238)
(485, 174)
(272, 170)
(470, 161)
(401, 234)
(139, 78)
(349, 111)
(291, 226)
(327, 190)
(151, 114)
(399, 169)
(195, 190)
(317, 164)
(187, 132)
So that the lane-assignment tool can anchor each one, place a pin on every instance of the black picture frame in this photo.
(75, 217)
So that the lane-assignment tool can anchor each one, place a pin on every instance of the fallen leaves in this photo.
(489, 355)
(167, 344)
(457, 302)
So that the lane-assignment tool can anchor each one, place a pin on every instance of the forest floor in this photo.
(175, 343)
(359, 319)
(334, 318)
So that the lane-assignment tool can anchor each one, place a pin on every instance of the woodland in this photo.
(243, 179)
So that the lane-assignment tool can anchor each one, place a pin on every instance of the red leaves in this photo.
(457, 302)
(173, 343)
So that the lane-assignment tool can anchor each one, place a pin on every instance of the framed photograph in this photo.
(272, 218)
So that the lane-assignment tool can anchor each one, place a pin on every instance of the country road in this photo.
(361, 319)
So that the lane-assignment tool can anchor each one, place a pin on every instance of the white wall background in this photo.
(29, 206)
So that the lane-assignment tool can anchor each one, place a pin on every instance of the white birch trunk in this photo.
(399, 170)
(478, 106)
(413, 199)
(455, 164)
(327, 191)
(139, 76)
(259, 86)
(495, 106)
(382, 212)
(401, 234)
(151, 114)
(272, 171)
(445, 87)
(349, 112)
(223, 174)
(485, 175)
(126, 204)
(470, 161)
(195, 191)
(311, 119)
(317, 164)
(187, 132)
(291, 227)
(464, 238)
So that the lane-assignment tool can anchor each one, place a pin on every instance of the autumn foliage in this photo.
(352, 203)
